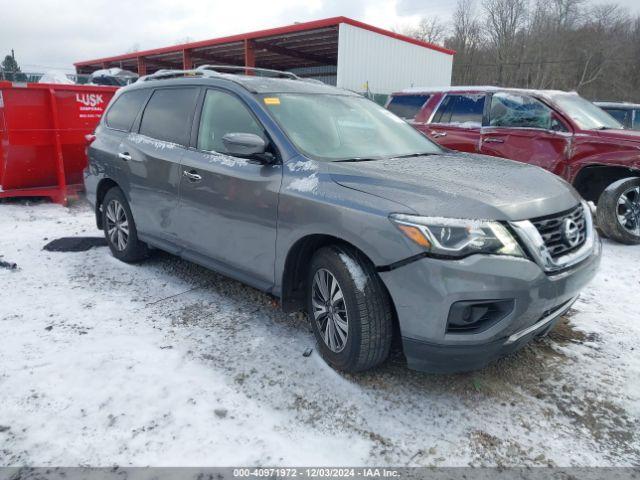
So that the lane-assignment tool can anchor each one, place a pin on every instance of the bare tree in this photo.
(466, 39)
(566, 12)
(504, 20)
(598, 46)
(564, 44)
(430, 29)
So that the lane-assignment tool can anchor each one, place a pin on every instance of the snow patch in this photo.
(226, 160)
(356, 272)
(157, 144)
(56, 76)
(305, 184)
(299, 166)
(465, 124)
(106, 379)
(441, 221)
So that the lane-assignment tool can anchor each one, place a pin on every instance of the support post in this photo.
(142, 66)
(187, 62)
(249, 55)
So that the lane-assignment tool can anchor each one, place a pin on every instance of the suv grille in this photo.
(563, 233)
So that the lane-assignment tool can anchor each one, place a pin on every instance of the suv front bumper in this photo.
(424, 291)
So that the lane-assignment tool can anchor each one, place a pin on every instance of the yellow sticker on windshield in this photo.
(272, 101)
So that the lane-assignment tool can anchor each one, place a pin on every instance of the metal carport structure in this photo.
(331, 50)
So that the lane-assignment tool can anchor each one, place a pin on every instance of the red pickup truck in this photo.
(559, 131)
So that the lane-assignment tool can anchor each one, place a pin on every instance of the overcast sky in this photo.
(50, 34)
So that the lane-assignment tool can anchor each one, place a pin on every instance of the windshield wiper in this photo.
(409, 155)
(372, 159)
(358, 159)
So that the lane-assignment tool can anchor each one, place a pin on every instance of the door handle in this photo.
(192, 175)
(493, 140)
(124, 156)
(435, 134)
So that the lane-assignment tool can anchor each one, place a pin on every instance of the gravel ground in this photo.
(167, 363)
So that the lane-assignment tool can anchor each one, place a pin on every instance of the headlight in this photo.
(454, 237)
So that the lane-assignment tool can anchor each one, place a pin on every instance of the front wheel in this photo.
(618, 212)
(120, 228)
(349, 308)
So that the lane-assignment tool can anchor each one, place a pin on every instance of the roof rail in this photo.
(219, 70)
(165, 73)
(240, 68)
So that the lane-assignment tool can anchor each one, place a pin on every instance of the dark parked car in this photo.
(336, 206)
(628, 114)
(559, 131)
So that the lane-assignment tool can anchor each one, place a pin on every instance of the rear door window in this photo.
(169, 114)
(464, 110)
(407, 106)
(519, 111)
(125, 109)
(224, 113)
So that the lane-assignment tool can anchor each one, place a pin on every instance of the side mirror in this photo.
(244, 144)
(557, 126)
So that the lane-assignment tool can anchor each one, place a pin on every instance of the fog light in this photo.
(477, 315)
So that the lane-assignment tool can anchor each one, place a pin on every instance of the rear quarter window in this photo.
(636, 120)
(464, 110)
(169, 114)
(407, 106)
(125, 109)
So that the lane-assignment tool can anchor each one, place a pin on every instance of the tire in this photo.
(620, 199)
(369, 313)
(115, 205)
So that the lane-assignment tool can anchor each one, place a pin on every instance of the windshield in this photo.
(587, 115)
(340, 127)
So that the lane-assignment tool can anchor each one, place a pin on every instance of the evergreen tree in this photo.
(9, 64)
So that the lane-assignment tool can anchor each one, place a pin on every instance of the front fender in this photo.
(313, 204)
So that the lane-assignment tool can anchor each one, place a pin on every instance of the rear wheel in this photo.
(120, 228)
(349, 309)
(618, 212)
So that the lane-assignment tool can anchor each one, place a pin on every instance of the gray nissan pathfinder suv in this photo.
(338, 207)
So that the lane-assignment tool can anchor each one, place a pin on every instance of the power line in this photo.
(533, 62)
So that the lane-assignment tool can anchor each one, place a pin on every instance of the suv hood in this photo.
(460, 186)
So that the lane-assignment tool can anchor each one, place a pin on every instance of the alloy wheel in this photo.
(330, 310)
(117, 225)
(629, 210)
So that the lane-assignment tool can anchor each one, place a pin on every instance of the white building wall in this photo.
(386, 63)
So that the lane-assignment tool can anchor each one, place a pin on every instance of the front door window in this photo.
(224, 113)
(519, 111)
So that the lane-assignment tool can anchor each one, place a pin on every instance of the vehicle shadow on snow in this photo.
(242, 332)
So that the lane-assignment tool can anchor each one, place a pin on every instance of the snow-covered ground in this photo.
(166, 363)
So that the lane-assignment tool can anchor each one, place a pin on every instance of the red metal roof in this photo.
(328, 23)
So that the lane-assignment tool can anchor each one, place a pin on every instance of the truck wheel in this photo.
(349, 309)
(618, 212)
(120, 229)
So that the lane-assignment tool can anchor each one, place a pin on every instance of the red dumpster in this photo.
(42, 137)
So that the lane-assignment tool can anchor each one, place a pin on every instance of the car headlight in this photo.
(452, 237)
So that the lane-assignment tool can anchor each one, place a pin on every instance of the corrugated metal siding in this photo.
(386, 64)
(325, 73)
